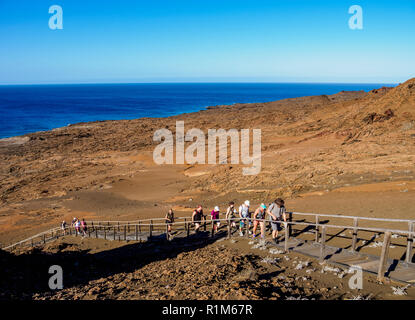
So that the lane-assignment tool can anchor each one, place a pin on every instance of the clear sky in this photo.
(204, 41)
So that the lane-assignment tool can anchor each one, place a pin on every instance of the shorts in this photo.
(276, 226)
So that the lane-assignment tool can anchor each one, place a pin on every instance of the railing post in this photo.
(354, 239)
(213, 229)
(167, 232)
(247, 227)
(136, 233)
(188, 229)
(185, 224)
(128, 226)
(44, 238)
(384, 256)
(139, 226)
(113, 230)
(323, 243)
(410, 243)
(151, 228)
(118, 226)
(96, 232)
(317, 231)
(286, 237)
(204, 225)
(290, 219)
(105, 233)
(125, 233)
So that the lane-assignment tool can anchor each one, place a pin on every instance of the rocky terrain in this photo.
(227, 269)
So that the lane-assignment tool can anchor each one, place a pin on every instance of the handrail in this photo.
(353, 217)
(294, 212)
(139, 223)
(397, 231)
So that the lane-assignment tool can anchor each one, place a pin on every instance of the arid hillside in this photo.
(310, 145)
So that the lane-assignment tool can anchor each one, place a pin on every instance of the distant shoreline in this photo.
(173, 99)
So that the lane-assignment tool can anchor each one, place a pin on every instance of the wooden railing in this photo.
(133, 231)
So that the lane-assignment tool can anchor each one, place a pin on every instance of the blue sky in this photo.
(204, 41)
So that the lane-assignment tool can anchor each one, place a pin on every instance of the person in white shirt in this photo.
(244, 215)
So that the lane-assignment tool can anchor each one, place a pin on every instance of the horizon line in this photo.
(193, 82)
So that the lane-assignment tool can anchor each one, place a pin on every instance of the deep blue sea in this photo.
(30, 108)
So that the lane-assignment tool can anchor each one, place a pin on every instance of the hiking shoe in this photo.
(275, 240)
(241, 234)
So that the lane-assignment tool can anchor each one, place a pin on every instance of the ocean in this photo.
(31, 108)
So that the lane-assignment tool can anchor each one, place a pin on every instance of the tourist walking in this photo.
(63, 227)
(214, 216)
(259, 218)
(244, 217)
(277, 213)
(77, 226)
(83, 227)
(197, 217)
(231, 214)
(169, 219)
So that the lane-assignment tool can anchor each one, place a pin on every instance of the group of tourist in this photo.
(79, 226)
(275, 211)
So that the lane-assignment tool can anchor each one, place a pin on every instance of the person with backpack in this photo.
(214, 216)
(244, 217)
(259, 218)
(277, 213)
(197, 217)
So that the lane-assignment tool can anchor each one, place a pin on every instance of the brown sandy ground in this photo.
(226, 269)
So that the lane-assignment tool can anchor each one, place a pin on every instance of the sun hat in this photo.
(263, 206)
(216, 208)
(247, 203)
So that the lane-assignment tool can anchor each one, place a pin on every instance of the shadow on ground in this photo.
(26, 274)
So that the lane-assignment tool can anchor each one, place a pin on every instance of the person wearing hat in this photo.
(214, 215)
(244, 215)
(259, 218)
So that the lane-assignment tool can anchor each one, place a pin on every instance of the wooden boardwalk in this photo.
(155, 230)
(395, 269)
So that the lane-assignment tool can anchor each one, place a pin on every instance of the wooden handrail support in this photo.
(384, 256)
